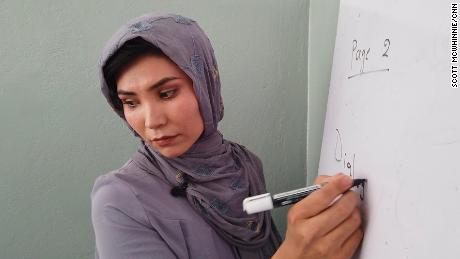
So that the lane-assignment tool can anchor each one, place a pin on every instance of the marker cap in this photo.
(258, 203)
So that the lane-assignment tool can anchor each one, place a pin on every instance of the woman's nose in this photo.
(155, 117)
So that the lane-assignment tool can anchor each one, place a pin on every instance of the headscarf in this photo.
(215, 174)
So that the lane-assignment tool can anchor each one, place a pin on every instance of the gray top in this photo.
(135, 216)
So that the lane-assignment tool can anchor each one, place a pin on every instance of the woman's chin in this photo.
(169, 152)
(170, 156)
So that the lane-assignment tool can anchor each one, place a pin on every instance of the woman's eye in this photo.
(128, 103)
(167, 94)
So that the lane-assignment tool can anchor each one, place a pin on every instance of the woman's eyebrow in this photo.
(152, 87)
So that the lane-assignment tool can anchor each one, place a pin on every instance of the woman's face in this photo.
(160, 105)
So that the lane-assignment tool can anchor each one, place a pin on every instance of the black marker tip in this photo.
(358, 182)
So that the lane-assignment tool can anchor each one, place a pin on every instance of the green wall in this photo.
(322, 29)
(58, 134)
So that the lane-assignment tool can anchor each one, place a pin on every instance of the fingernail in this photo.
(346, 181)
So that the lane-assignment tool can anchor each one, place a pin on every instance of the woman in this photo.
(180, 195)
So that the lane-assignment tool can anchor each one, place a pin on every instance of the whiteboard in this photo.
(393, 118)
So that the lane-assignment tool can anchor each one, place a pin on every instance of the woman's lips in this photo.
(165, 141)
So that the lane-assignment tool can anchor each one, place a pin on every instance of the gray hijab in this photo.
(216, 174)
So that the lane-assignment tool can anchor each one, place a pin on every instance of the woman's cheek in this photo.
(135, 122)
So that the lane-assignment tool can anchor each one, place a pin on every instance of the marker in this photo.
(266, 201)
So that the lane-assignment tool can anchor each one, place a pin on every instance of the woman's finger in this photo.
(336, 214)
(351, 244)
(321, 199)
(343, 231)
(321, 178)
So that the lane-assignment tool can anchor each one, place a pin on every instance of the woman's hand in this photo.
(318, 231)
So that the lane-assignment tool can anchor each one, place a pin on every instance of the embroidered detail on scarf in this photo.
(236, 184)
(254, 226)
(215, 74)
(141, 26)
(197, 64)
(202, 209)
(202, 170)
(219, 206)
(237, 164)
(183, 20)
(180, 177)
